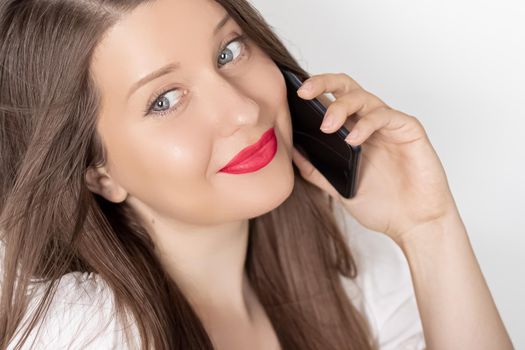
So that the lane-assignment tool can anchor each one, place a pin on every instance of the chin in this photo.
(281, 184)
(273, 197)
(255, 194)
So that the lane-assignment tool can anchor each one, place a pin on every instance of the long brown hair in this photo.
(52, 224)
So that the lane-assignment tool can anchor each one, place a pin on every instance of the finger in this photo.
(338, 84)
(357, 102)
(379, 118)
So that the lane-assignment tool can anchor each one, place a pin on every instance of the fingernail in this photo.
(328, 122)
(352, 136)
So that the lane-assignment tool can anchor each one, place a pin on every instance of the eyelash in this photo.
(242, 39)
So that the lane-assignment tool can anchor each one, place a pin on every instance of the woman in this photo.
(118, 121)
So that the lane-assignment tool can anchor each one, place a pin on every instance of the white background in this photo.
(459, 67)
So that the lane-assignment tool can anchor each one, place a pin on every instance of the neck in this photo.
(208, 264)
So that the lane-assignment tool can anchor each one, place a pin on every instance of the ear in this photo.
(100, 182)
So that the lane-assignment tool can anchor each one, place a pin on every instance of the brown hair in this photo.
(52, 224)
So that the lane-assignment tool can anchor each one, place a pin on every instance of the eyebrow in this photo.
(171, 66)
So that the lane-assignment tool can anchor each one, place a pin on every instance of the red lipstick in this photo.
(255, 156)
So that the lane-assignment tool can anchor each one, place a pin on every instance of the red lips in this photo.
(254, 156)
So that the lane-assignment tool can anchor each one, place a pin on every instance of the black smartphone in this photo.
(329, 153)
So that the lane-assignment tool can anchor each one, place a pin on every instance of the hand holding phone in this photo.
(337, 160)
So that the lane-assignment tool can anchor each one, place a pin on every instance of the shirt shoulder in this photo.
(383, 290)
(81, 315)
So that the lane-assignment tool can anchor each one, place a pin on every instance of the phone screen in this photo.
(329, 153)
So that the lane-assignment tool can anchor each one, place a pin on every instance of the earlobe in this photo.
(100, 182)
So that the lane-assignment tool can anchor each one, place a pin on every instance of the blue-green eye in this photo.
(166, 101)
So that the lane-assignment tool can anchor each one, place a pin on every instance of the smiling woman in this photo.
(146, 168)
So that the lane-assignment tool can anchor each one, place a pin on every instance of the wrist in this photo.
(431, 232)
(456, 308)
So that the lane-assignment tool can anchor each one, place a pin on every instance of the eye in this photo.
(240, 41)
(165, 102)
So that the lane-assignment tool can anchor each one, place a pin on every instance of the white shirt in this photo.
(82, 310)
(383, 287)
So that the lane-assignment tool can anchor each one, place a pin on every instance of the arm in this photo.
(403, 192)
(456, 308)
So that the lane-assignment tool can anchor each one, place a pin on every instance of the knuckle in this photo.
(336, 108)
(376, 111)
(413, 119)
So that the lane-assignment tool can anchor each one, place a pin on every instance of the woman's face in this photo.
(164, 151)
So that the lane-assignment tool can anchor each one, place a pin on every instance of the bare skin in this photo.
(228, 331)
(166, 169)
(403, 192)
(165, 166)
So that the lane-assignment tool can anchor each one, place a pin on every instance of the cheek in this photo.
(279, 96)
(152, 161)
(268, 85)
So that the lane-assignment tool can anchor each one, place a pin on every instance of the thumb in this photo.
(311, 174)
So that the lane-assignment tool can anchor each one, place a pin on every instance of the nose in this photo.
(226, 104)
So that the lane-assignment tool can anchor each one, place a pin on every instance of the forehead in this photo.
(171, 14)
(155, 33)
